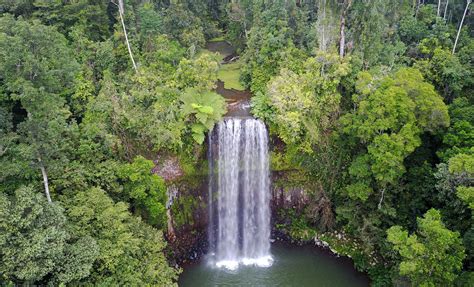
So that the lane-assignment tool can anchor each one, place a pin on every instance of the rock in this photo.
(168, 168)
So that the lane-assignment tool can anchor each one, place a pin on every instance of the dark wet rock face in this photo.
(190, 241)
(285, 198)
(188, 219)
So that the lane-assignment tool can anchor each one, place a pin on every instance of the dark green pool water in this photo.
(292, 266)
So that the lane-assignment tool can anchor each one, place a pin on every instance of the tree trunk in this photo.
(121, 11)
(381, 198)
(445, 9)
(439, 6)
(45, 179)
(342, 41)
(460, 25)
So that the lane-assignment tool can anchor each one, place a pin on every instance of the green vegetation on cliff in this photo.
(369, 106)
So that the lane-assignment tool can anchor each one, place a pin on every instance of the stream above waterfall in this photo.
(292, 266)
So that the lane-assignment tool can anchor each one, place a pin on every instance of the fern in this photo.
(203, 109)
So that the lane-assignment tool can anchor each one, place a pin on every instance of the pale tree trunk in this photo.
(121, 12)
(342, 41)
(460, 25)
(246, 33)
(445, 9)
(379, 206)
(45, 179)
(439, 6)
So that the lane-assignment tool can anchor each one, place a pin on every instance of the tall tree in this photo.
(35, 246)
(131, 252)
(342, 40)
(431, 257)
(121, 11)
(38, 70)
(388, 120)
(460, 24)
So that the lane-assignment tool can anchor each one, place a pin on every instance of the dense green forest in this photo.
(369, 105)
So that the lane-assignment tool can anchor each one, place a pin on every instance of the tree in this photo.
(305, 103)
(431, 257)
(91, 15)
(200, 72)
(147, 190)
(462, 165)
(184, 26)
(369, 24)
(269, 38)
(342, 39)
(35, 246)
(121, 11)
(239, 16)
(445, 71)
(460, 24)
(37, 70)
(390, 114)
(131, 252)
(459, 137)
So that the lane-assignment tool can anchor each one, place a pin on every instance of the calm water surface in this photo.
(292, 266)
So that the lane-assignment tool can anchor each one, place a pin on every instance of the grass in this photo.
(230, 74)
(217, 39)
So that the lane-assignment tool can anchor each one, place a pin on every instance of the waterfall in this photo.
(239, 194)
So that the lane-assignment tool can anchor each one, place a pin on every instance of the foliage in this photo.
(431, 257)
(199, 73)
(151, 21)
(269, 37)
(162, 54)
(37, 71)
(203, 110)
(35, 244)
(125, 242)
(389, 118)
(459, 138)
(366, 132)
(184, 26)
(147, 190)
(183, 209)
(304, 104)
(445, 71)
(370, 27)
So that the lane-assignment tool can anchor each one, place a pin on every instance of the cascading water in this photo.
(239, 195)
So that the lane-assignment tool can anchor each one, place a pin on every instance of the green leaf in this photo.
(198, 137)
(208, 110)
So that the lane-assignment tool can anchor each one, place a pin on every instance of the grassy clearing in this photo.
(217, 39)
(230, 74)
